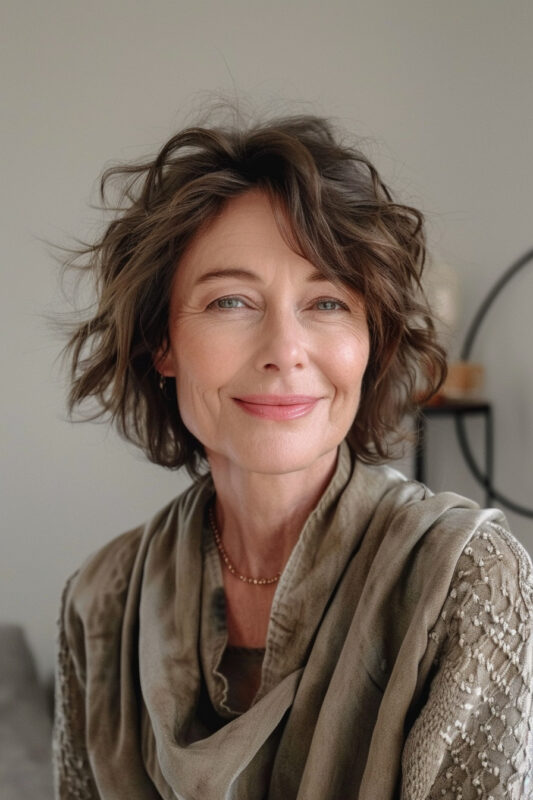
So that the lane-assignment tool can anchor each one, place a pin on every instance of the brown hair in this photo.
(340, 216)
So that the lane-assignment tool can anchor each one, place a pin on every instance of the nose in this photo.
(282, 342)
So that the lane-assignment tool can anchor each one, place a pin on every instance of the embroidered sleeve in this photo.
(474, 736)
(72, 773)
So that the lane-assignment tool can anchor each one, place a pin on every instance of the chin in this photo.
(281, 458)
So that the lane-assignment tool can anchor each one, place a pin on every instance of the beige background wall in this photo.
(441, 89)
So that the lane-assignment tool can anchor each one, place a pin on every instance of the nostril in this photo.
(279, 367)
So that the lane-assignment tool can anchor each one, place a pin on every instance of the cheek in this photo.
(193, 400)
(208, 357)
(200, 374)
(347, 364)
(194, 356)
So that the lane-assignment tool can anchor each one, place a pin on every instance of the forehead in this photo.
(246, 233)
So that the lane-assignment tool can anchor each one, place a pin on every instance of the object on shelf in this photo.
(464, 381)
(458, 410)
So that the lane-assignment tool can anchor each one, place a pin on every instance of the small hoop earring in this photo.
(162, 382)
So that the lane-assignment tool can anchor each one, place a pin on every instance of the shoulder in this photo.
(443, 521)
(95, 595)
(495, 551)
(426, 530)
(394, 496)
(491, 589)
(434, 544)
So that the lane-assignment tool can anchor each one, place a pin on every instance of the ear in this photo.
(163, 361)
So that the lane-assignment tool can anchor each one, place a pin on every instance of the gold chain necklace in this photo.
(226, 559)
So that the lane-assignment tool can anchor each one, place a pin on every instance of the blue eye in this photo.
(328, 304)
(228, 302)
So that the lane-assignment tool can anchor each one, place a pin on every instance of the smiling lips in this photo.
(277, 407)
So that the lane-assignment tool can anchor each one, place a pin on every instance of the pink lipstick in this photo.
(277, 407)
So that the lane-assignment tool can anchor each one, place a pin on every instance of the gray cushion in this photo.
(25, 723)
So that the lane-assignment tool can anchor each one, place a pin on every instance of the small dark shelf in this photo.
(446, 407)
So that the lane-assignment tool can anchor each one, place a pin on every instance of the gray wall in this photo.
(442, 90)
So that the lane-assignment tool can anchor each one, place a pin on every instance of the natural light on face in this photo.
(268, 355)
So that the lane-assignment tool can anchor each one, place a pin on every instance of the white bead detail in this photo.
(485, 679)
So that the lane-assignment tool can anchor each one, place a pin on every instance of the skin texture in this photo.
(268, 358)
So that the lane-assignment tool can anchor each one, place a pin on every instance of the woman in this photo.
(300, 623)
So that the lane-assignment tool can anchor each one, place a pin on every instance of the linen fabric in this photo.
(400, 635)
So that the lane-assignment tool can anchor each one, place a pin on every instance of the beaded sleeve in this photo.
(474, 736)
(72, 772)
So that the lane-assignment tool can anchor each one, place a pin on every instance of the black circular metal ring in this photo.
(465, 354)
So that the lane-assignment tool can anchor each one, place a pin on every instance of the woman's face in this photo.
(268, 355)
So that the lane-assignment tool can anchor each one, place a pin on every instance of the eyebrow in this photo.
(238, 272)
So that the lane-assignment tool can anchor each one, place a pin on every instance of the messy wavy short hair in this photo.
(332, 207)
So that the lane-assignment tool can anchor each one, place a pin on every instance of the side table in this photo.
(457, 409)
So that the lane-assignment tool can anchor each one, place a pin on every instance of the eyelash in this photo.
(216, 304)
(341, 306)
(217, 307)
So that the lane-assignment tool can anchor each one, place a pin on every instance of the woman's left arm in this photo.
(72, 772)
(474, 736)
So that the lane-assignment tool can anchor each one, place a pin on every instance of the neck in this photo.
(260, 516)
